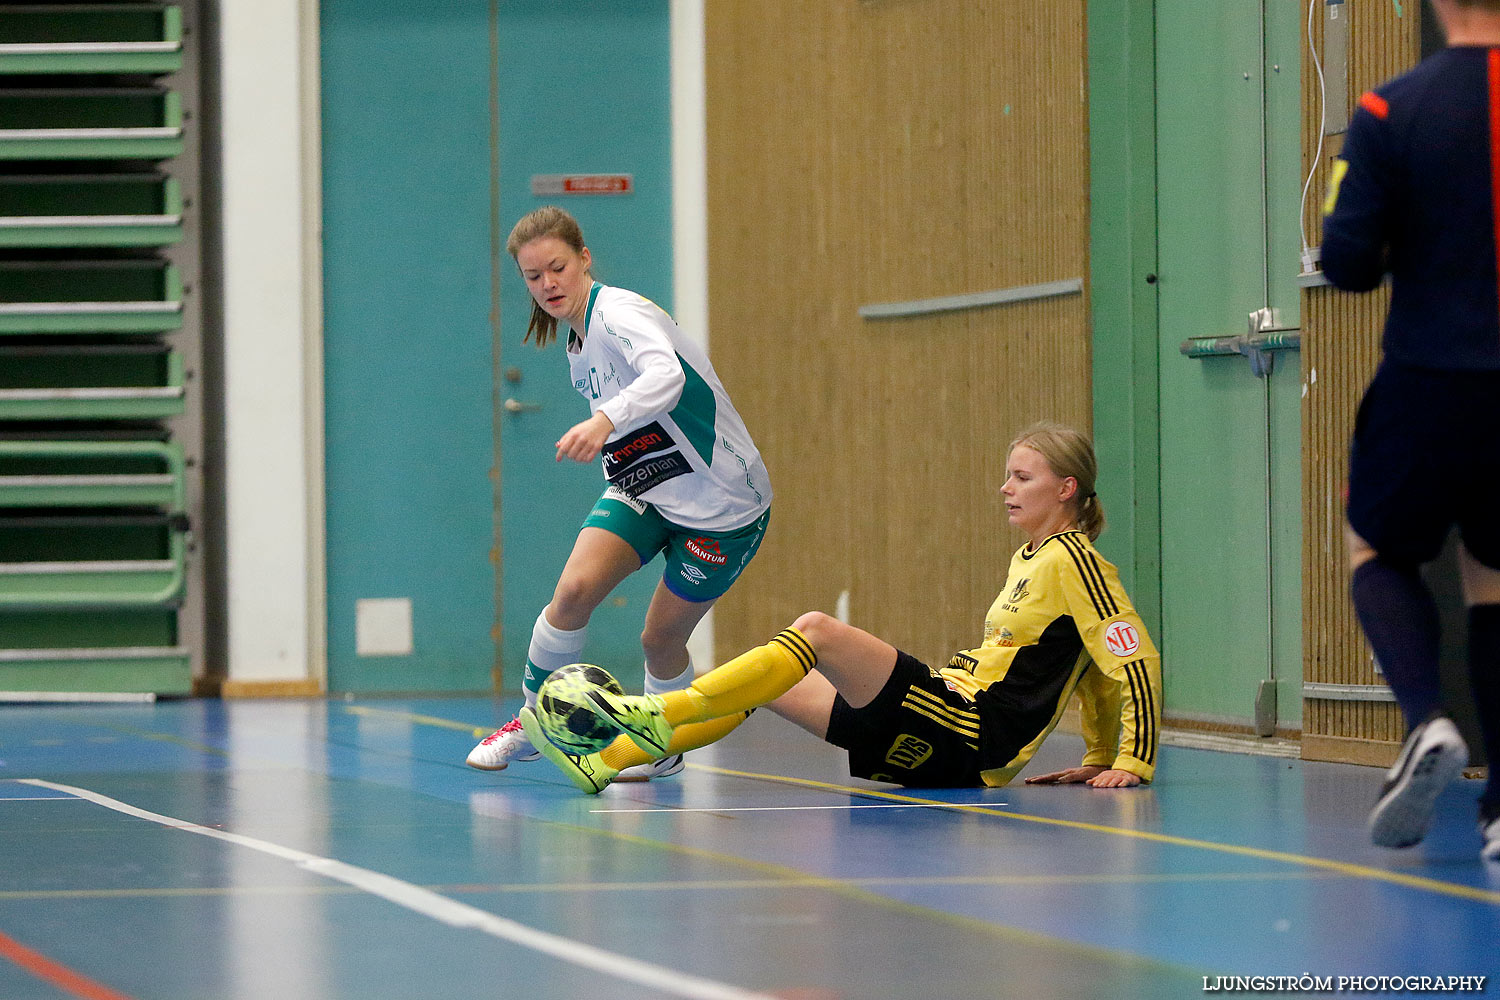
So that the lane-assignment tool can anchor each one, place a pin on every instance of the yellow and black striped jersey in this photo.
(1062, 624)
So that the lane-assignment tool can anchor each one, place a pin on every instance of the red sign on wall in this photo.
(543, 184)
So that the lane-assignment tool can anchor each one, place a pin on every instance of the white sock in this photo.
(655, 685)
(551, 648)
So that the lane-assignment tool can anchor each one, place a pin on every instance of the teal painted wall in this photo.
(409, 446)
(604, 108)
(409, 342)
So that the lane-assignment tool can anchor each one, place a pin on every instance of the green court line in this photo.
(1339, 867)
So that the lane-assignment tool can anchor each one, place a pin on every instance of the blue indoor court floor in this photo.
(196, 850)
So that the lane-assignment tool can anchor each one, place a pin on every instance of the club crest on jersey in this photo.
(1019, 592)
(1122, 639)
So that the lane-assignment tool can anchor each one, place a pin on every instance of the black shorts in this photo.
(1425, 457)
(917, 732)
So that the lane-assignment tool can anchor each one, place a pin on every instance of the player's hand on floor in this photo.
(1071, 776)
(1097, 777)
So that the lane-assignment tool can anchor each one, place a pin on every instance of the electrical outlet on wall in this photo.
(382, 626)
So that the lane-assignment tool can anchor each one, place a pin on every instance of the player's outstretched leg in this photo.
(639, 717)
(749, 680)
(672, 763)
(1433, 756)
(588, 772)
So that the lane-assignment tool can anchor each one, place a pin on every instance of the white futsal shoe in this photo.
(1433, 756)
(498, 749)
(655, 769)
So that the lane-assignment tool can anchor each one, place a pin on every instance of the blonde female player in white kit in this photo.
(683, 476)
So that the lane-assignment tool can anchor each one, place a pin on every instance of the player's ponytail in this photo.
(548, 220)
(1069, 454)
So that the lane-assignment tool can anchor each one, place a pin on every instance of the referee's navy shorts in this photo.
(1426, 456)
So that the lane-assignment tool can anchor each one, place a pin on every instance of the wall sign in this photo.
(542, 184)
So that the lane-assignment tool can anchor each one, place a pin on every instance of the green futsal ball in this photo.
(562, 712)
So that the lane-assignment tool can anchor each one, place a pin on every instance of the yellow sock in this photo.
(623, 753)
(751, 679)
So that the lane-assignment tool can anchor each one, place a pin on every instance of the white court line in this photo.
(38, 798)
(448, 911)
(754, 809)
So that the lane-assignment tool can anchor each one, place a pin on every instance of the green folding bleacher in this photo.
(100, 473)
(90, 210)
(114, 123)
(91, 473)
(90, 38)
(122, 296)
(90, 382)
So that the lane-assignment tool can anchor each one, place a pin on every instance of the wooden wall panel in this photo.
(886, 151)
(1341, 348)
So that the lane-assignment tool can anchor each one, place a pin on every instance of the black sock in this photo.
(1400, 619)
(1484, 677)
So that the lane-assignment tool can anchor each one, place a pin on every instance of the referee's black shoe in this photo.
(1433, 755)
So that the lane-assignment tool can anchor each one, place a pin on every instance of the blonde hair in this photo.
(1069, 454)
(549, 220)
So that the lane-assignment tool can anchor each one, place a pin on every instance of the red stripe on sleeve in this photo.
(1494, 65)
(1375, 104)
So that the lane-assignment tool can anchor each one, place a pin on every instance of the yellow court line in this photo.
(1285, 857)
(685, 885)
(426, 720)
(779, 874)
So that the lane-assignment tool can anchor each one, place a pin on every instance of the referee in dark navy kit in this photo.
(1416, 193)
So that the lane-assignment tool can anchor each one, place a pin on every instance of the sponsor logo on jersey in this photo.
(641, 444)
(1122, 639)
(615, 493)
(643, 459)
(908, 752)
(646, 475)
(706, 549)
(963, 661)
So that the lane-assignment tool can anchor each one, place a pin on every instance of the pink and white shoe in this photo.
(498, 749)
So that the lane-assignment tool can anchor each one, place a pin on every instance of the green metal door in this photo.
(1228, 164)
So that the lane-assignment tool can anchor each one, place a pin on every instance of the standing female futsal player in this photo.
(1062, 623)
(683, 476)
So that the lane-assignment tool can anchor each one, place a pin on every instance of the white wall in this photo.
(690, 214)
(272, 349)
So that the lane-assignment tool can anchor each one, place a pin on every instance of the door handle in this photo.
(516, 406)
(1266, 336)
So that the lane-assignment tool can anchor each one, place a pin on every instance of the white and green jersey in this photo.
(679, 444)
